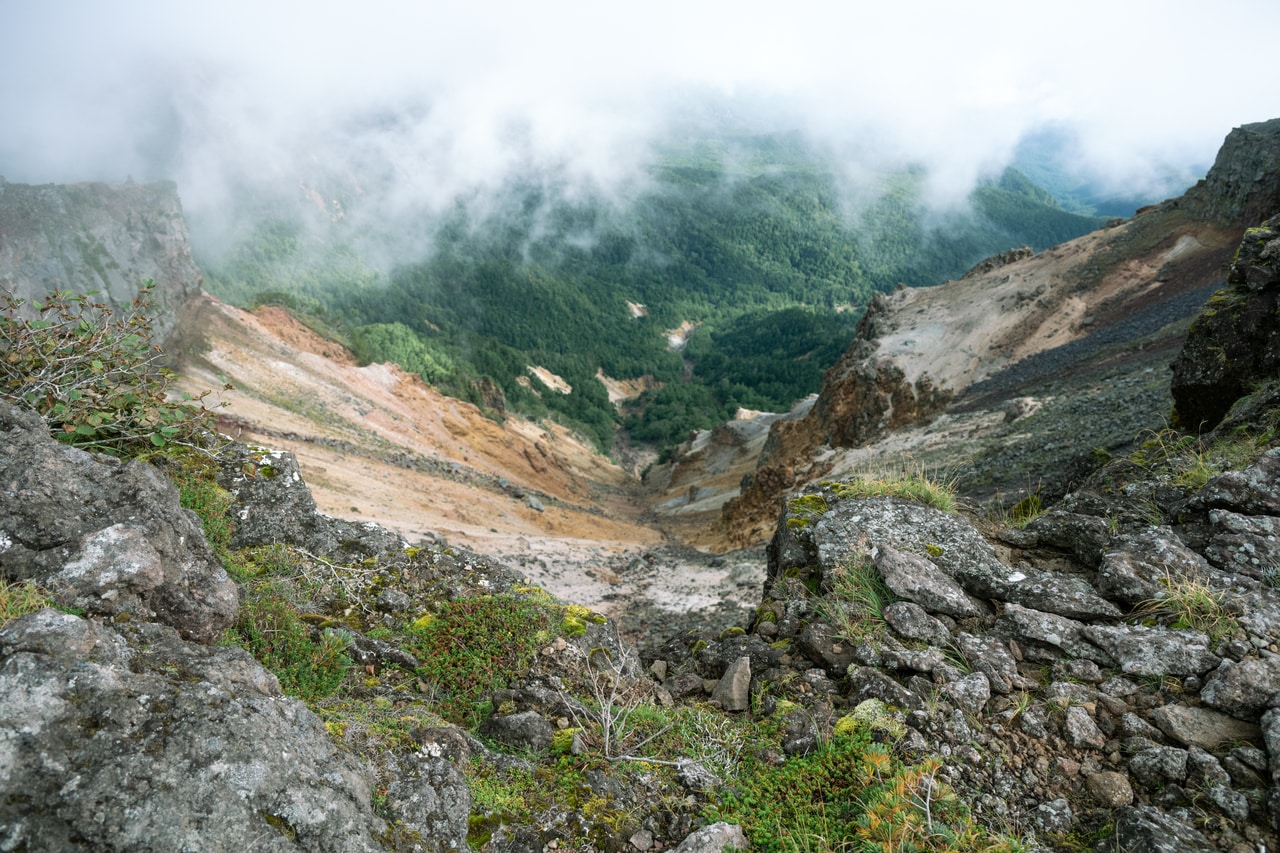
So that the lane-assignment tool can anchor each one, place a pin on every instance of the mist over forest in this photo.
(474, 190)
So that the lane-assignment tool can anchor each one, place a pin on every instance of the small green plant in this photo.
(1189, 603)
(471, 646)
(805, 510)
(858, 596)
(852, 795)
(908, 481)
(271, 630)
(96, 379)
(20, 598)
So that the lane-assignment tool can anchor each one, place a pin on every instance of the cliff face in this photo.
(1244, 184)
(103, 237)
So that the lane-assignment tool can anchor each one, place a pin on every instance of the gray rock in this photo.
(1243, 689)
(106, 537)
(1244, 544)
(1140, 650)
(273, 505)
(992, 657)
(435, 802)
(1054, 816)
(1157, 767)
(1131, 725)
(1144, 829)
(107, 238)
(1270, 723)
(1036, 627)
(733, 690)
(525, 729)
(1203, 769)
(1081, 731)
(1109, 788)
(714, 839)
(1086, 536)
(1234, 804)
(1202, 727)
(916, 579)
(910, 621)
(137, 740)
(954, 546)
(1253, 491)
(971, 693)
(868, 683)
(819, 643)
(1132, 571)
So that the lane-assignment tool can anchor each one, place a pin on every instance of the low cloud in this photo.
(423, 103)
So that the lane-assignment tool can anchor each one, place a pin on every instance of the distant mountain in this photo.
(722, 232)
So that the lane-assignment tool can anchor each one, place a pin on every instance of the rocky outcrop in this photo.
(1069, 673)
(128, 738)
(106, 537)
(102, 237)
(1243, 186)
(1235, 342)
(271, 504)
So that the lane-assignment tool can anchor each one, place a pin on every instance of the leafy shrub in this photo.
(95, 378)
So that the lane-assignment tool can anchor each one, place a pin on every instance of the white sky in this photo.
(101, 89)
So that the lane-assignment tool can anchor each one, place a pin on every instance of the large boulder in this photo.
(105, 536)
(133, 739)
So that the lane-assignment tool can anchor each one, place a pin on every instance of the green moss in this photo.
(804, 510)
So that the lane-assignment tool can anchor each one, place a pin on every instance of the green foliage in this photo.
(18, 598)
(198, 490)
(470, 647)
(804, 510)
(396, 342)
(908, 482)
(748, 236)
(853, 795)
(95, 378)
(270, 628)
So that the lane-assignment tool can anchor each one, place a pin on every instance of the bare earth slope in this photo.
(377, 444)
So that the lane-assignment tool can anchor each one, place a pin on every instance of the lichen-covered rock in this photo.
(916, 579)
(714, 838)
(137, 740)
(1243, 689)
(1144, 829)
(1142, 650)
(1133, 568)
(273, 505)
(434, 802)
(106, 537)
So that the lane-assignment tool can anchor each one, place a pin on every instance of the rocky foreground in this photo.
(1102, 675)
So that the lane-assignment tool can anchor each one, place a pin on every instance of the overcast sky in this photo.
(102, 89)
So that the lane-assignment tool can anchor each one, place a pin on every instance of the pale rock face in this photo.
(103, 237)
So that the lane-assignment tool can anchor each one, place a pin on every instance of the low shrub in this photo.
(96, 379)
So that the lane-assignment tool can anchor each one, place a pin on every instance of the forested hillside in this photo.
(751, 242)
